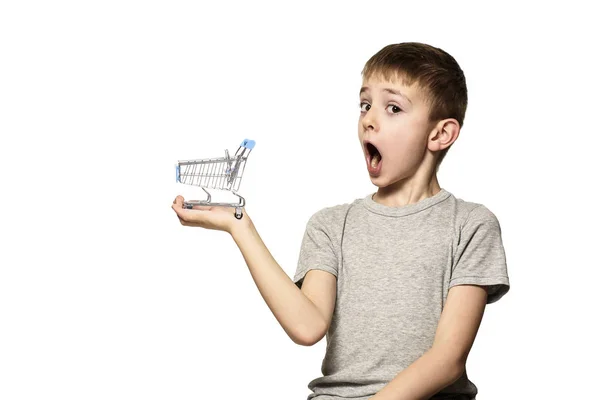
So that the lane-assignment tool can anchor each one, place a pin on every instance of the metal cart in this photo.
(223, 173)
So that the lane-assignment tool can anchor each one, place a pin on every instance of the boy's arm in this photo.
(302, 320)
(321, 288)
(445, 361)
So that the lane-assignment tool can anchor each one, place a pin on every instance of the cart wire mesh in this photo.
(224, 173)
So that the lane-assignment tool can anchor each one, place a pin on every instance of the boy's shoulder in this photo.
(335, 211)
(331, 218)
(473, 212)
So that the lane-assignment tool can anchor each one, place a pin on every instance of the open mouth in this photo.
(373, 157)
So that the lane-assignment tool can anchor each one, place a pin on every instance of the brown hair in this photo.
(435, 72)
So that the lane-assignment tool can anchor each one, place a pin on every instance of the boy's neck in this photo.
(404, 193)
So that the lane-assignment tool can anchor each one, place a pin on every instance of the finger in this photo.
(179, 210)
(178, 203)
(176, 208)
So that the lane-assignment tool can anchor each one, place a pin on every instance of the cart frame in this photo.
(224, 173)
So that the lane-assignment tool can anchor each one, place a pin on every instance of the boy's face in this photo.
(396, 125)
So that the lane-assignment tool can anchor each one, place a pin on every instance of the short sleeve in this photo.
(318, 249)
(480, 258)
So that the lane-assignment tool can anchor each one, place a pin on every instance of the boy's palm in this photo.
(209, 217)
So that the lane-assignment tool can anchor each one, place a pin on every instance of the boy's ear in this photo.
(444, 134)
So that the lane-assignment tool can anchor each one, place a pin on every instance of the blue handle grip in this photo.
(247, 143)
(177, 177)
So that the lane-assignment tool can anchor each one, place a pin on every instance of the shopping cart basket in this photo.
(216, 173)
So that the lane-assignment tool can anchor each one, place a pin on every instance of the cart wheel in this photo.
(238, 213)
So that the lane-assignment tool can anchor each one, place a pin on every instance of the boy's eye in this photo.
(395, 109)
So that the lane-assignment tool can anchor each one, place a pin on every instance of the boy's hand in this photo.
(209, 217)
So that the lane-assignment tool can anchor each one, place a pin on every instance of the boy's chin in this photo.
(379, 181)
(383, 182)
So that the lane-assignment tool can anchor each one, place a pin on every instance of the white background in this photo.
(104, 295)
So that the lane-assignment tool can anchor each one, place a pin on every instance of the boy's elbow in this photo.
(302, 342)
(310, 337)
(306, 341)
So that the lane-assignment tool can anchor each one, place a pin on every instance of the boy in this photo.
(398, 280)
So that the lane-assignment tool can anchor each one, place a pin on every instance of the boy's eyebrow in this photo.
(389, 90)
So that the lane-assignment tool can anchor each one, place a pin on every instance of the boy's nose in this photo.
(369, 123)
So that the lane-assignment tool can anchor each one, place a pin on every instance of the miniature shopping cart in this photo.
(223, 173)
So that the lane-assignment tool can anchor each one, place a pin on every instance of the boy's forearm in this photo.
(295, 312)
(429, 374)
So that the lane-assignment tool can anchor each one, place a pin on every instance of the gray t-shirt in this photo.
(394, 267)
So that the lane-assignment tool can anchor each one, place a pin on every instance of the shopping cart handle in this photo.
(247, 143)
